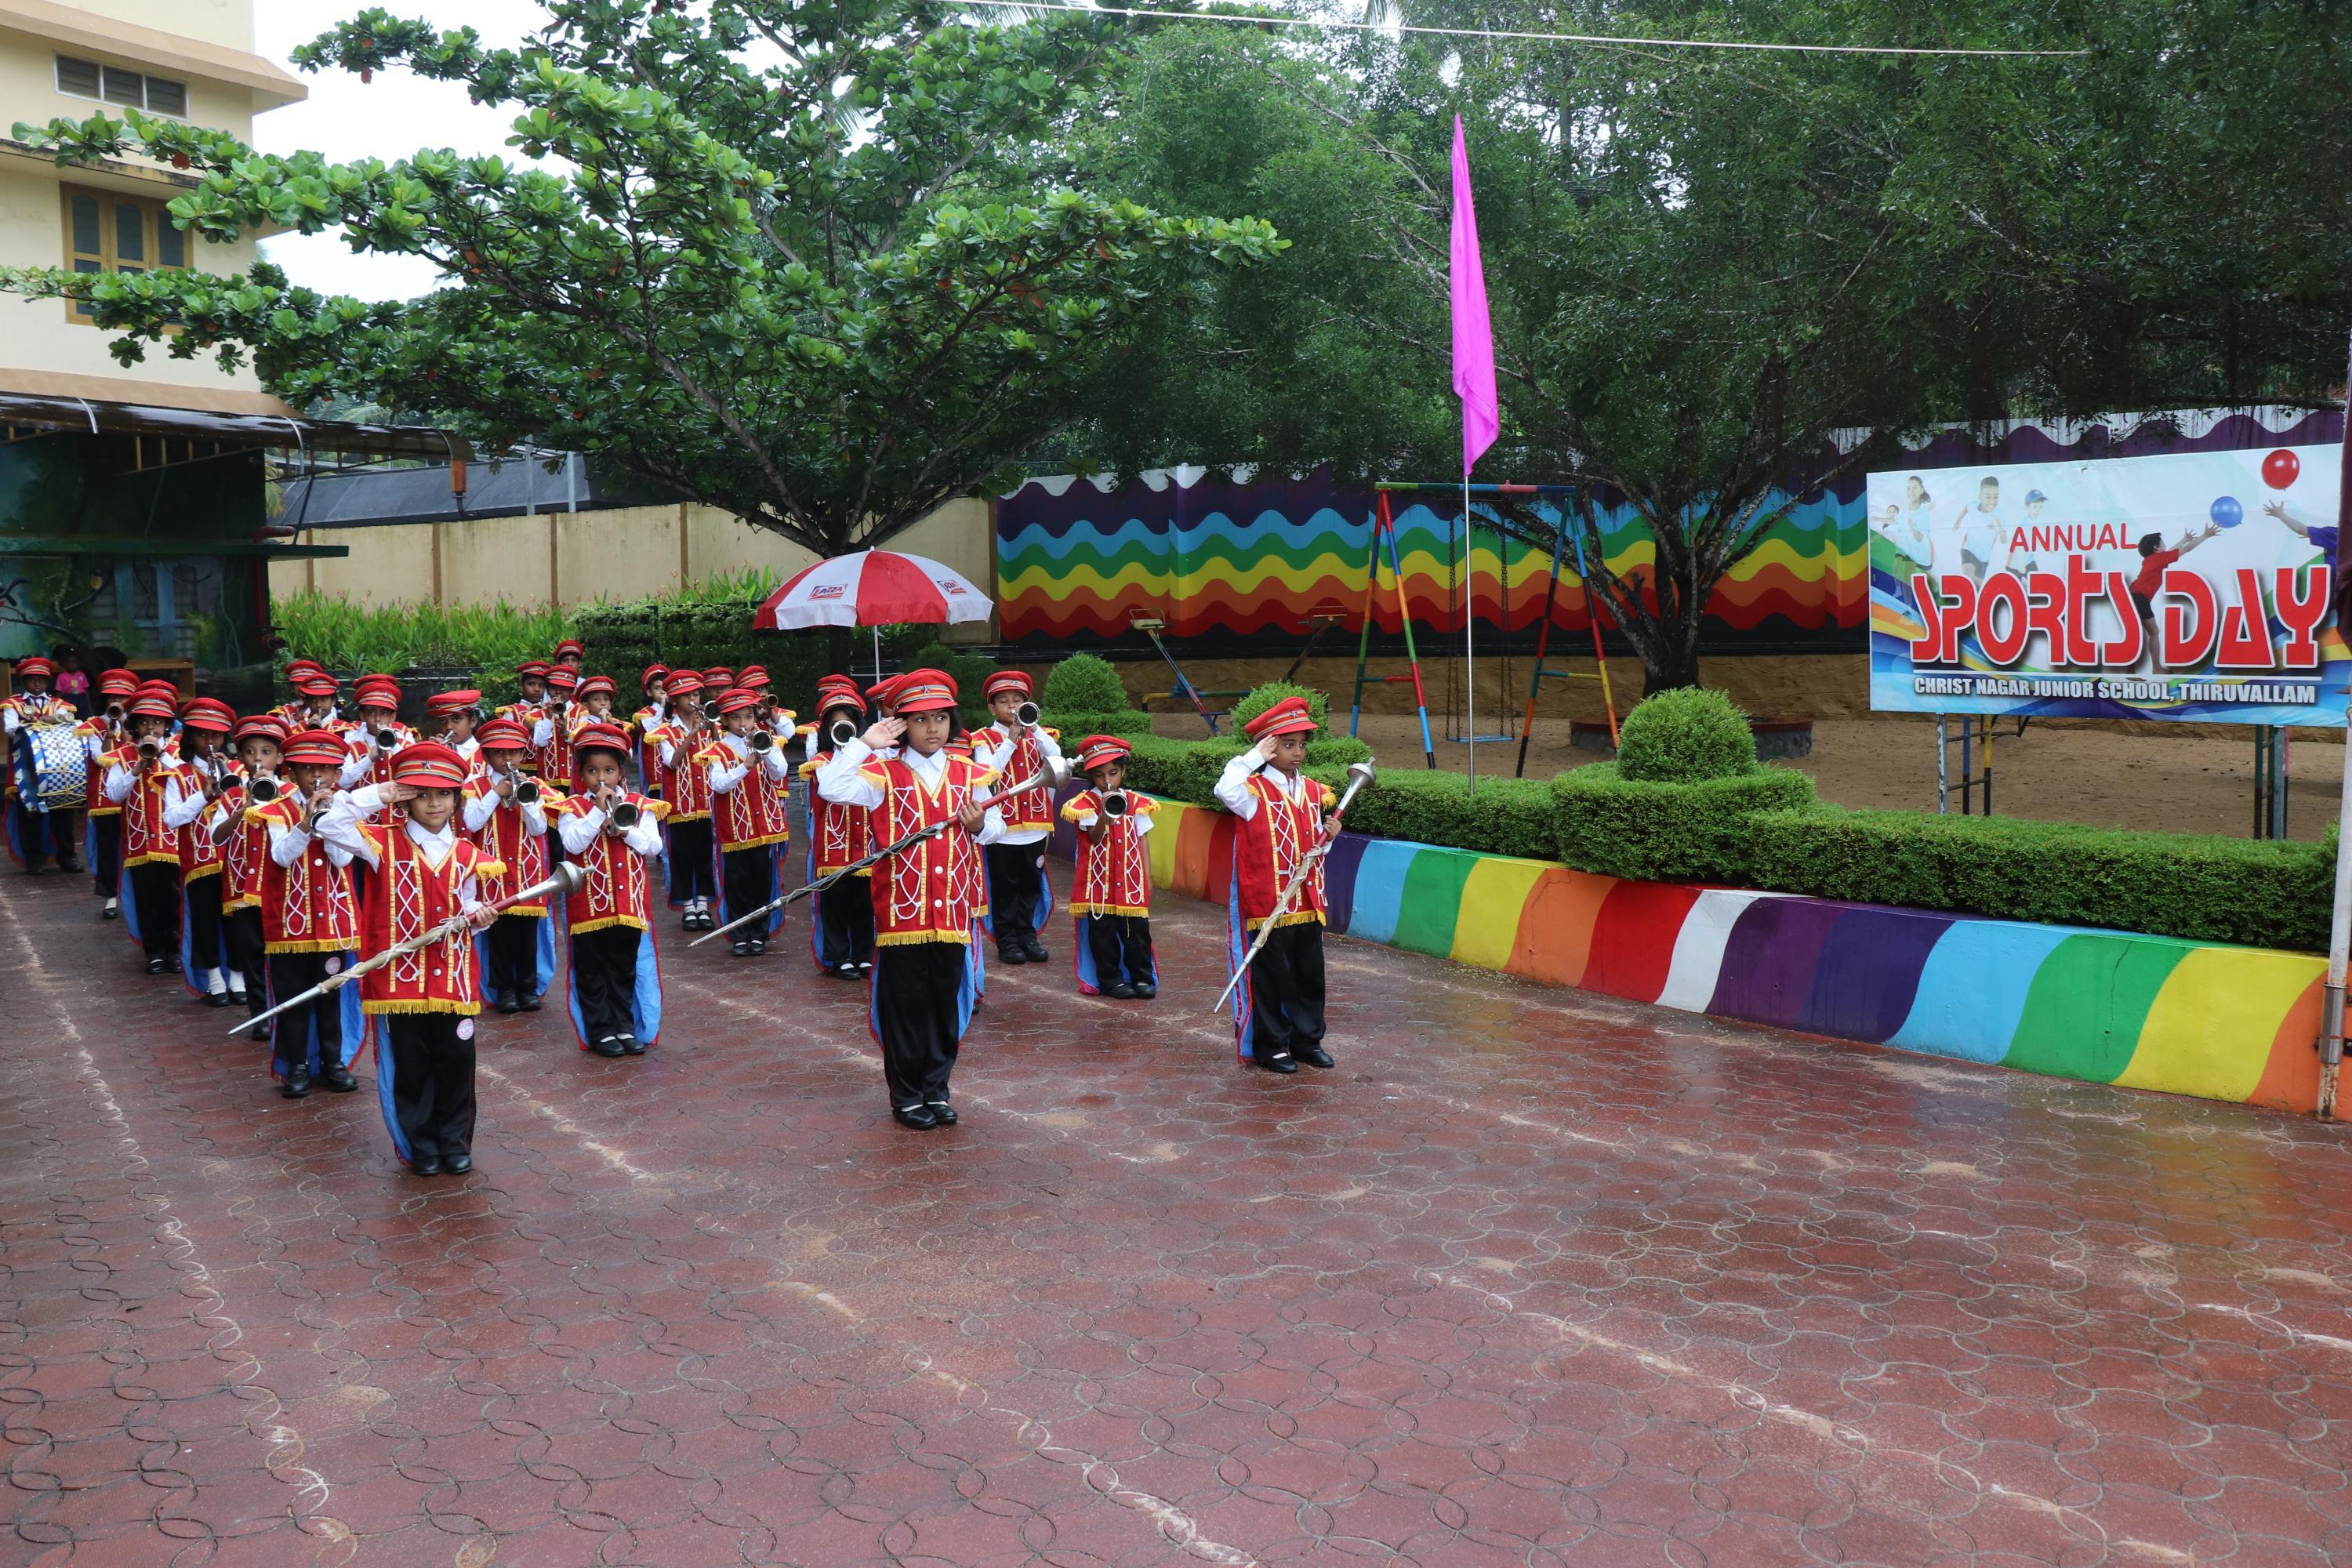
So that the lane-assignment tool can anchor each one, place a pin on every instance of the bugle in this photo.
(261, 791)
(1114, 803)
(1028, 715)
(841, 732)
(763, 741)
(623, 816)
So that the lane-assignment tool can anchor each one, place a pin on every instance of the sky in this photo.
(389, 118)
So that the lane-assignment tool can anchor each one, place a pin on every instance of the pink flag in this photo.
(1474, 338)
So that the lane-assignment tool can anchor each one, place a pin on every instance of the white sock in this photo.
(214, 985)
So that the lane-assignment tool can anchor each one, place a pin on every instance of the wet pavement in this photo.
(1531, 1278)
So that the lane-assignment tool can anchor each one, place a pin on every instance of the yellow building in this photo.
(190, 59)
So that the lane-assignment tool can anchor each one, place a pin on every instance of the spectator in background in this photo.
(73, 681)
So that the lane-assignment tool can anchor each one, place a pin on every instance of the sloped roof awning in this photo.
(88, 416)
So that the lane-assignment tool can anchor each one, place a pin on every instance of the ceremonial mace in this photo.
(1359, 775)
(1053, 774)
(565, 881)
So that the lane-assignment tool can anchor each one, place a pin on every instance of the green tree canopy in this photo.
(824, 263)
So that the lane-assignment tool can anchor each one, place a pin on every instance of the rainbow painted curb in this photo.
(2147, 1012)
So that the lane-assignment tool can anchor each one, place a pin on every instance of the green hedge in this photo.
(2266, 893)
(1683, 736)
(1503, 816)
(1666, 832)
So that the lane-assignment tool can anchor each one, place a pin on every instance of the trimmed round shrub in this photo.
(1262, 697)
(1083, 684)
(1685, 736)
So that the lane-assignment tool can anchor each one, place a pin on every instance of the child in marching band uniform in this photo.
(568, 654)
(136, 772)
(924, 898)
(376, 739)
(1278, 1014)
(101, 733)
(841, 927)
(748, 783)
(1110, 891)
(563, 722)
(450, 718)
(245, 850)
(309, 922)
(505, 815)
(425, 873)
(655, 684)
(190, 790)
(34, 835)
(614, 979)
(691, 861)
(316, 706)
(1020, 900)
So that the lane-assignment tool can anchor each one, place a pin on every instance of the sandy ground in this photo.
(2094, 774)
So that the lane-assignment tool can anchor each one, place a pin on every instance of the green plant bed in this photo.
(1502, 816)
(2265, 894)
(1127, 723)
(1696, 832)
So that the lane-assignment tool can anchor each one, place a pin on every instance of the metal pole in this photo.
(1943, 777)
(1364, 639)
(2339, 925)
(1543, 643)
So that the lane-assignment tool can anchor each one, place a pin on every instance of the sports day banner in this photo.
(2190, 585)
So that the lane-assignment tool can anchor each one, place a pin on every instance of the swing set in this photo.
(1458, 672)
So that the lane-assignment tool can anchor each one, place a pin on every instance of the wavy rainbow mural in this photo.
(1214, 556)
(2144, 1012)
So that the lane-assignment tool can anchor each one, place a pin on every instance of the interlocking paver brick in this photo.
(1531, 1278)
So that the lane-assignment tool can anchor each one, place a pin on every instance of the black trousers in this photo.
(690, 874)
(749, 882)
(513, 951)
(203, 898)
(106, 862)
(248, 960)
(845, 916)
(291, 975)
(918, 989)
(1287, 991)
(605, 972)
(65, 829)
(33, 830)
(1122, 948)
(1013, 878)
(431, 1060)
(155, 894)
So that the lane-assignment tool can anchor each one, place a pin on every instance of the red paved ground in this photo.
(1531, 1278)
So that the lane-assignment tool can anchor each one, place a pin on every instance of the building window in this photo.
(112, 84)
(108, 232)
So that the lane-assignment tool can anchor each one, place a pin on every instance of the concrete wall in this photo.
(577, 558)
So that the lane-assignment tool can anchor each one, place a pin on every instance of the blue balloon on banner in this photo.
(2228, 512)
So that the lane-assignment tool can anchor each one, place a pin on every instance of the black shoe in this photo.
(158, 965)
(509, 1003)
(68, 867)
(31, 869)
(1314, 1056)
(1120, 989)
(942, 1112)
(921, 1118)
(759, 946)
(425, 1165)
(215, 998)
(1007, 953)
(610, 1046)
(1145, 989)
(742, 950)
(339, 1079)
(1277, 1061)
(297, 1085)
(528, 1003)
(1033, 951)
(844, 971)
(109, 911)
(632, 1046)
(456, 1164)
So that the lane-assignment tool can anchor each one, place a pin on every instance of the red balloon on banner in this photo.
(2280, 468)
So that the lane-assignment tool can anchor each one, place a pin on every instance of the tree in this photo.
(1710, 272)
(824, 265)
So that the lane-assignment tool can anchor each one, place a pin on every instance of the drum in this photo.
(52, 767)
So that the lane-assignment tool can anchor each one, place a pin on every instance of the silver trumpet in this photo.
(623, 816)
(1114, 803)
(763, 741)
(841, 732)
(1028, 715)
(262, 791)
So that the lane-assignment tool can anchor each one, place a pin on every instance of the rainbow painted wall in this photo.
(1216, 557)
(2147, 1012)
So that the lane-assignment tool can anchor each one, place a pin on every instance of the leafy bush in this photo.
(1667, 832)
(2268, 893)
(361, 639)
(1504, 816)
(1158, 767)
(1083, 684)
(1265, 696)
(1684, 736)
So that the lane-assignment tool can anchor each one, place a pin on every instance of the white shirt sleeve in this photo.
(1143, 820)
(9, 722)
(287, 845)
(181, 804)
(341, 826)
(355, 769)
(1233, 784)
(772, 763)
(669, 751)
(725, 776)
(1046, 745)
(543, 733)
(645, 836)
(579, 829)
(840, 780)
(480, 808)
(534, 818)
(118, 782)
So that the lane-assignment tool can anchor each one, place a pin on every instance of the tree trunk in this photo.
(1671, 668)
(836, 649)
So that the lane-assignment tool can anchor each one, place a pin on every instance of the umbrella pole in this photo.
(877, 655)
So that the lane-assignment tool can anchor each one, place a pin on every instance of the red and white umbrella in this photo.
(873, 588)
